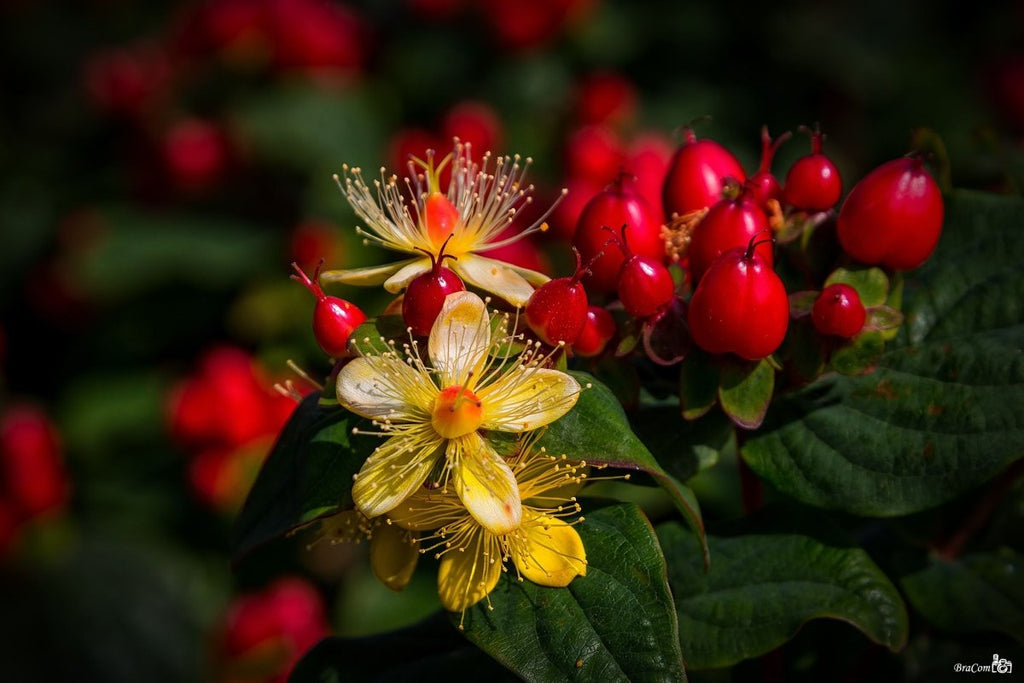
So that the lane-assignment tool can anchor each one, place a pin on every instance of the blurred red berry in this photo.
(648, 158)
(195, 154)
(595, 153)
(567, 214)
(524, 24)
(315, 35)
(313, 240)
(126, 81)
(475, 123)
(605, 98)
(265, 633)
(412, 142)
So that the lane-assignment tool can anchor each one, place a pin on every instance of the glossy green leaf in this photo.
(974, 594)
(942, 412)
(432, 650)
(617, 623)
(745, 391)
(597, 430)
(698, 384)
(859, 354)
(771, 574)
(307, 475)
(871, 284)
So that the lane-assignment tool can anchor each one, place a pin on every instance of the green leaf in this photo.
(860, 354)
(745, 391)
(617, 623)
(596, 430)
(307, 475)
(683, 447)
(698, 384)
(871, 284)
(431, 650)
(942, 412)
(773, 573)
(801, 303)
(977, 593)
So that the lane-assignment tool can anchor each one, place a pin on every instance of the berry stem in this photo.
(436, 261)
(755, 243)
(310, 284)
(769, 147)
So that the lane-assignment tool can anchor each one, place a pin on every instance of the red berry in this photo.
(645, 286)
(740, 306)
(618, 204)
(605, 98)
(334, 319)
(557, 310)
(475, 124)
(648, 158)
(728, 224)
(838, 311)
(594, 152)
(893, 216)
(598, 330)
(763, 185)
(31, 469)
(813, 182)
(696, 175)
(195, 154)
(425, 295)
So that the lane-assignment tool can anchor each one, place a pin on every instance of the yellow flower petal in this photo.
(364, 277)
(485, 484)
(468, 574)
(385, 388)
(493, 276)
(393, 556)
(526, 398)
(409, 272)
(460, 338)
(553, 554)
(427, 509)
(396, 469)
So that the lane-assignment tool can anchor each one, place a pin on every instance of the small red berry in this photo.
(195, 154)
(425, 295)
(594, 152)
(893, 216)
(475, 124)
(618, 204)
(730, 223)
(696, 175)
(606, 98)
(740, 306)
(838, 311)
(598, 330)
(334, 319)
(557, 310)
(763, 185)
(813, 182)
(645, 286)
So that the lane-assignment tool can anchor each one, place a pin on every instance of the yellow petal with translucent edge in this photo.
(493, 276)
(401, 279)
(553, 554)
(466, 576)
(383, 387)
(531, 276)
(393, 556)
(364, 277)
(485, 484)
(460, 338)
(527, 398)
(395, 470)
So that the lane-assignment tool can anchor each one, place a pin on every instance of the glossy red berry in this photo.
(645, 286)
(740, 306)
(893, 216)
(618, 204)
(763, 185)
(598, 330)
(334, 319)
(425, 295)
(697, 174)
(728, 224)
(838, 311)
(813, 182)
(557, 310)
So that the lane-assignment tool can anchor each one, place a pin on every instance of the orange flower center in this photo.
(457, 412)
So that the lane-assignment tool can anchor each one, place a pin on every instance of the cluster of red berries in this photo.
(226, 414)
(33, 481)
(265, 633)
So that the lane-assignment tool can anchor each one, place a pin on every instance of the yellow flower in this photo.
(393, 550)
(478, 205)
(436, 414)
(544, 548)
